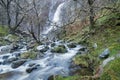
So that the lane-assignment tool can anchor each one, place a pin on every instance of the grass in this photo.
(106, 35)
(3, 31)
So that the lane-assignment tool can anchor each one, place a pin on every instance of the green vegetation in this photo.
(29, 54)
(3, 31)
(59, 49)
(112, 71)
(106, 35)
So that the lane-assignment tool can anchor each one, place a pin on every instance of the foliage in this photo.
(112, 71)
(59, 49)
(29, 54)
(3, 31)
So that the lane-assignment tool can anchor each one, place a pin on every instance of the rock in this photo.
(34, 67)
(53, 45)
(0, 63)
(31, 64)
(18, 63)
(83, 49)
(5, 49)
(10, 60)
(79, 52)
(44, 49)
(59, 49)
(15, 47)
(31, 45)
(52, 77)
(105, 54)
(72, 45)
(5, 57)
(11, 38)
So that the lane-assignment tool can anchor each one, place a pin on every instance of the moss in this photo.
(112, 71)
(68, 78)
(59, 49)
(29, 54)
(3, 31)
(12, 38)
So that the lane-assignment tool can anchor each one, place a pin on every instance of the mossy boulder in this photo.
(29, 54)
(12, 38)
(59, 49)
(72, 45)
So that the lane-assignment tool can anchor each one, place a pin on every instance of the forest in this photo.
(59, 39)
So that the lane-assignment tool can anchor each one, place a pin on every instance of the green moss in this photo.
(68, 78)
(112, 71)
(29, 54)
(3, 31)
(59, 49)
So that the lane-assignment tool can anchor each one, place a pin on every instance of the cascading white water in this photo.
(56, 19)
(50, 64)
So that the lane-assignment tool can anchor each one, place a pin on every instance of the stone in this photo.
(18, 63)
(72, 45)
(44, 49)
(83, 49)
(5, 57)
(53, 45)
(34, 67)
(104, 54)
(59, 49)
(7, 61)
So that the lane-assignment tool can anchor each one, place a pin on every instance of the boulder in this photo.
(44, 49)
(104, 54)
(83, 49)
(5, 57)
(18, 63)
(72, 45)
(59, 49)
(53, 45)
(9, 60)
(34, 67)
(31, 64)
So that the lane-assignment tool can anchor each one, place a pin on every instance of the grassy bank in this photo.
(106, 35)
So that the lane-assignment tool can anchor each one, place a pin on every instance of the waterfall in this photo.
(56, 19)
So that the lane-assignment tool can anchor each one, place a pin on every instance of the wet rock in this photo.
(11, 38)
(18, 63)
(5, 57)
(44, 49)
(31, 64)
(0, 63)
(52, 77)
(34, 67)
(83, 49)
(14, 48)
(72, 45)
(10, 60)
(53, 44)
(79, 52)
(31, 45)
(5, 49)
(59, 49)
(104, 54)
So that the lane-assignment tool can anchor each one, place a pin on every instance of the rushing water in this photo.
(50, 64)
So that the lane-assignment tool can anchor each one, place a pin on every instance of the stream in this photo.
(49, 64)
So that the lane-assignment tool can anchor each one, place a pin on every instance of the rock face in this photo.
(105, 54)
(18, 63)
